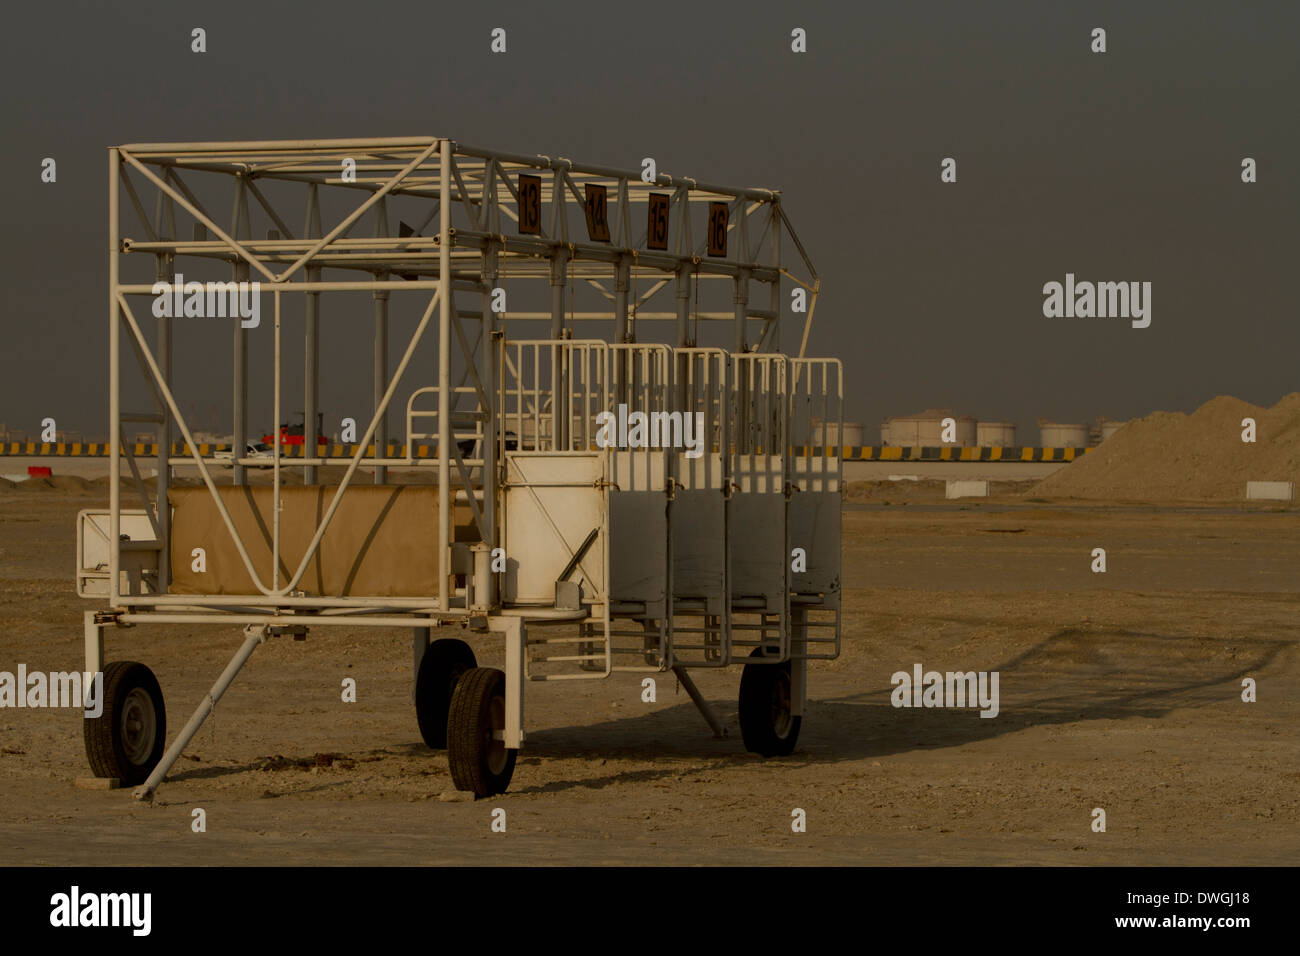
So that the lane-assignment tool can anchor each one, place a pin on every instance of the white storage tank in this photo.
(996, 434)
(1064, 436)
(926, 428)
(829, 433)
(848, 434)
(1109, 428)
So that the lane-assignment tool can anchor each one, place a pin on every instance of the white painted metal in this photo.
(513, 628)
(94, 639)
(1270, 490)
(700, 622)
(684, 555)
(138, 554)
(816, 490)
(956, 488)
(758, 528)
(253, 636)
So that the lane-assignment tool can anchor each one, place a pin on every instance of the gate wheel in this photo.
(441, 667)
(766, 724)
(126, 740)
(476, 750)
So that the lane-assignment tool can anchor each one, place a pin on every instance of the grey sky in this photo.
(1120, 166)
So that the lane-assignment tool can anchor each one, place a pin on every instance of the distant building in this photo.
(996, 434)
(926, 428)
(1055, 435)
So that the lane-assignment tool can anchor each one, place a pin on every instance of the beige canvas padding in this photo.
(380, 542)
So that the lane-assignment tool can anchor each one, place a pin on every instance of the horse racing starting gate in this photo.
(602, 501)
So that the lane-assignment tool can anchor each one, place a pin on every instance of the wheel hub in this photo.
(139, 725)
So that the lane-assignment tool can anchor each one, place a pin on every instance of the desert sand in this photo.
(1119, 690)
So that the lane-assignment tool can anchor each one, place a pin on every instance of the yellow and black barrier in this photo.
(951, 453)
(150, 450)
(97, 449)
(340, 451)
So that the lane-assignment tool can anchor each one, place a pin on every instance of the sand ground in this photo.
(1120, 691)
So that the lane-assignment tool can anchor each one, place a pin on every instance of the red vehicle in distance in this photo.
(292, 434)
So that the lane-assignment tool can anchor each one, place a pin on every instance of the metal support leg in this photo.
(94, 644)
(419, 644)
(239, 445)
(775, 303)
(683, 308)
(311, 371)
(485, 589)
(561, 391)
(558, 264)
(798, 660)
(651, 646)
(703, 706)
(381, 382)
(740, 299)
(682, 369)
(162, 481)
(255, 635)
(621, 283)
(513, 628)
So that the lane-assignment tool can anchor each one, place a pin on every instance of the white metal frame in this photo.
(473, 196)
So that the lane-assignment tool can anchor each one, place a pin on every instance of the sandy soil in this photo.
(1119, 691)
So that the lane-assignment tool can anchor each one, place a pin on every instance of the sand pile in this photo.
(1169, 456)
(73, 483)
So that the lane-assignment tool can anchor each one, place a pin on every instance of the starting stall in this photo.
(600, 482)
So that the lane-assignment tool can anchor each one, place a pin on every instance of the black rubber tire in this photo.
(131, 693)
(478, 763)
(766, 724)
(441, 667)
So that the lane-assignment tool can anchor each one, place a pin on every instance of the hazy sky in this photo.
(1116, 166)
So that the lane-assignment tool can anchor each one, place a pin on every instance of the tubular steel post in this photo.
(114, 386)
(775, 253)
(683, 306)
(238, 227)
(622, 336)
(239, 443)
(490, 426)
(255, 635)
(740, 297)
(621, 281)
(444, 373)
(557, 292)
(164, 274)
(381, 380)
(741, 300)
(513, 628)
(311, 344)
(703, 706)
(560, 379)
(798, 660)
(310, 371)
(94, 638)
(683, 336)
(275, 446)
